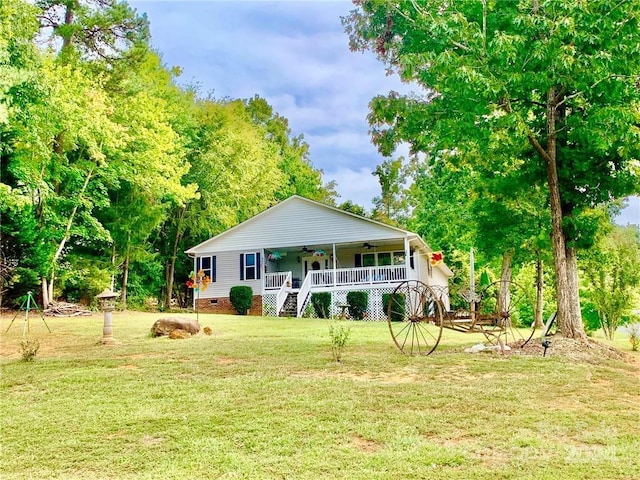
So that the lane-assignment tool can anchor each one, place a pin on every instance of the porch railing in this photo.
(273, 281)
(283, 292)
(358, 276)
(303, 293)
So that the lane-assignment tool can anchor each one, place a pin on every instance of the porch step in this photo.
(290, 307)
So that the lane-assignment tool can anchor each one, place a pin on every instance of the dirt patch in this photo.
(226, 361)
(365, 444)
(589, 350)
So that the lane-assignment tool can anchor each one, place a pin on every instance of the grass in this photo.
(262, 398)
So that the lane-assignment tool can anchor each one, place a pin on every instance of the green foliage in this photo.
(241, 297)
(391, 206)
(521, 97)
(633, 331)
(108, 167)
(321, 302)
(398, 307)
(612, 271)
(358, 304)
(339, 335)
(29, 348)
(590, 317)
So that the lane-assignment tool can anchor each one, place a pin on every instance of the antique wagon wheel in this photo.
(414, 315)
(501, 310)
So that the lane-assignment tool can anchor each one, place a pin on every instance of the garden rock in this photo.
(165, 326)
(179, 334)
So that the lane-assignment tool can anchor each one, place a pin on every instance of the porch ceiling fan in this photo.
(368, 245)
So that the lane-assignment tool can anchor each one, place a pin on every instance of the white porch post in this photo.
(407, 252)
(263, 273)
(195, 269)
(334, 264)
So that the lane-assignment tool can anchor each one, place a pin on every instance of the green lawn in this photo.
(262, 398)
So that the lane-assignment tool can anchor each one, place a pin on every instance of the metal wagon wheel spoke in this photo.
(504, 307)
(414, 315)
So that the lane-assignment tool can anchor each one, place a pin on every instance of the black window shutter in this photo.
(213, 268)
(242, 266)
(358, 260)
(258, 265)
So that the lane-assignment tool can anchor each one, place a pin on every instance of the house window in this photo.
(398, 258)
(384, 259)
(249, 266)
(208, 266)
(368, 259)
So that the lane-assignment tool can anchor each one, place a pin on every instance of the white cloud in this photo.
(361, 185)
(296, 56)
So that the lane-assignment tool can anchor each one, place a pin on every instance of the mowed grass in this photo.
(262, 398)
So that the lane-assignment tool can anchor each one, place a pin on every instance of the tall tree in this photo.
(391, 206)
(299, 175)
(103, 30)
(556, 79)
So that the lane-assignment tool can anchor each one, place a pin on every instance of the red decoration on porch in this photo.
(436, 258)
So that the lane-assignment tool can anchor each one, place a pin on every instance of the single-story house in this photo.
(299, 247)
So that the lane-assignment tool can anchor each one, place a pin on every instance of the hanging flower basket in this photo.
(318, 253)
(274, 256)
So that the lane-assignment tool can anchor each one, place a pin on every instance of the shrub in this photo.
(241, 297)
(398, 309)
(339, 338)
(358, 302)
(321, 302)
(633, 330)
(29, 349)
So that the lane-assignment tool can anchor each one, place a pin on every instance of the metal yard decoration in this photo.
(417, 314)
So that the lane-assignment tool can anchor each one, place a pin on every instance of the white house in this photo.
(299, 247)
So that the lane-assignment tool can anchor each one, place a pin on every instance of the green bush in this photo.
(241, 297)
(339, 338)
(398, 309)
(358, 302)
(29, 349)
(321, 302)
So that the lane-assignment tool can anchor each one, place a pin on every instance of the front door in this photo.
(314, 263)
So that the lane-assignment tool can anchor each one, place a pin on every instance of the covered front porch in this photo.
(293, 274)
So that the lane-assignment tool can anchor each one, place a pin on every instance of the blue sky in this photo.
(295, 55)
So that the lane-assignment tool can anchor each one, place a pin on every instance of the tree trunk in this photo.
(65, 237)
(575, 328)
(125, 280)
(45, 293)
(125, 274)
(569, 320)
(505, 280)
(171, 267)
(539, 313)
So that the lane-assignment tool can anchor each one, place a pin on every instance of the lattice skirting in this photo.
(269, 305)
(375, 311)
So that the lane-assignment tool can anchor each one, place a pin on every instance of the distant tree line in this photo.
(110, 169)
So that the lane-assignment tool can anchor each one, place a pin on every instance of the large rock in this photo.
(166, 325)
(179, 334)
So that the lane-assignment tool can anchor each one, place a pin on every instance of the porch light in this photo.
(318, 253)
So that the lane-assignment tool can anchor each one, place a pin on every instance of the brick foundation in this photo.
(223, 305)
